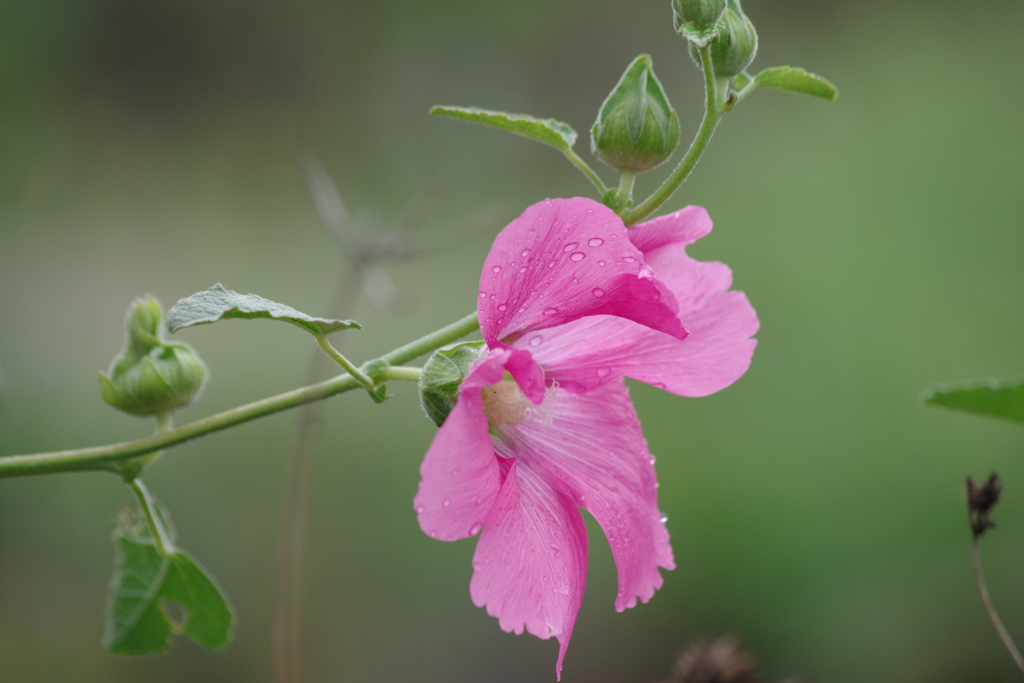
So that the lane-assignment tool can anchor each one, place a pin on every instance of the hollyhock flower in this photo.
(571, 303)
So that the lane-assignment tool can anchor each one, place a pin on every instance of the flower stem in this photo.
(162, 538)
(713, 111)
(625, 187)
(587, 171)
(1004, 635)
(90, 458)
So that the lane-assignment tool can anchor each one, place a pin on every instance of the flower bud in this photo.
(442, 376)
(736, 45)
(701, 13)
(151, 376)
(637, 128)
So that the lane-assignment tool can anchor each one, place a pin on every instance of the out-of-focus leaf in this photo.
(138, 622)
(998, 398)
(220, 303)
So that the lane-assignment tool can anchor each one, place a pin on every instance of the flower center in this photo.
(505, 404)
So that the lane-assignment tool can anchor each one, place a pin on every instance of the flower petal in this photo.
(593, 450)
(460, 476)
(564, 259)
(586, 353)
(530, 564)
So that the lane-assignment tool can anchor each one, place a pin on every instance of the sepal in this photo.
(443, 374)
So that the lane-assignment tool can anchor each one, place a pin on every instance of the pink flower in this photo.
(570, 303)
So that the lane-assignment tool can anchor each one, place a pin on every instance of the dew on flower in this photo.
(446, 502)
(600, 263)
(552, 264)
(496, 269)
(522, 270)
(664, 518)
(569, 247)
(503, 307)
(603, 372)
(475, 529)
(597, 291)
(578, 256)
(420, 509)
(483, 295)
(535, 341)
(629, 259)
(552, 311)
(595, 242)
(525, 253)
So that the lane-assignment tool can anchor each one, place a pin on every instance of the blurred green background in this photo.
(815, 507)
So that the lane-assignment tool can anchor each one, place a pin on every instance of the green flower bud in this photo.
(736, 45)
(151, 376)
(443, 374)
(701, 13)
(637, 128)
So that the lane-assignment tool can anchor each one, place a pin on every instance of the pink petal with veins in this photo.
(564, 259)
(584, 354)
(530, 564)
(459, 474)
(594, 452)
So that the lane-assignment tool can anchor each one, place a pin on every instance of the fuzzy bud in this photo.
(701, 13)
(151, 376)
(637, 128)
(736, 45)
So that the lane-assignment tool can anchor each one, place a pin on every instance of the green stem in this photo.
(161, 536)
(625, 187)
(587, 171)
(712, 115)
(89, 458)
(345, 363)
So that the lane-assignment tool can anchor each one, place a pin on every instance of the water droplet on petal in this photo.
(629, 259)
(496, 269)
(526, 252)
(475, 529)
(569, 247)
(600, 263)
(659, 385)
(446, 502)
(503, 307)
(483, 295)
(552, 264)
(604, 372)
(522, 270)
(578, 256)
(595, 242)
(597, 291)
(552, 311)
(664, 518)
(652, 458)
(420, 509)
(535, 341)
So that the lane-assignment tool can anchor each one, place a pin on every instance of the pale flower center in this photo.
(505, 404)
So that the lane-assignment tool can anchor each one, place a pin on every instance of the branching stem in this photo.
(90, 458)
(713, 111)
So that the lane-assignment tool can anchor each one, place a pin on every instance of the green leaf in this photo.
(797, 80)
(220, 303)
(997, 398)
(442, 376)
(549, 131)
(138, 621)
